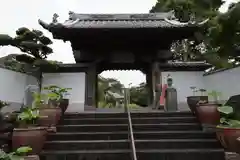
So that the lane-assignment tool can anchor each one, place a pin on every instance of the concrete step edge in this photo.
(115, 125)
(209, 150)
(136, 132)
(136, 141)
(133, 118)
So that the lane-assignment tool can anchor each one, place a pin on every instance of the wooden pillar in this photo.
(149, 86)
(90, 86)
(156, 81)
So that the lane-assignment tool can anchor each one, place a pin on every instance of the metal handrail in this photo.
(130, 129)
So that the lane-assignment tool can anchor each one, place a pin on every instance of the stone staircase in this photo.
(158, 136)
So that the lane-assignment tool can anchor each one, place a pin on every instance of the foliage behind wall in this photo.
(138, 94)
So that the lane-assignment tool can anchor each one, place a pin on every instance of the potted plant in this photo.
(207, 114)
(28, 133)
(192, 101)
(19, 154)
(50, 112)
(6, 128)
(228, 130)
(215, 97)
(62, 93)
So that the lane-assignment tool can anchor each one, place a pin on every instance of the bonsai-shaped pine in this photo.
(32, 42)
(17, 155)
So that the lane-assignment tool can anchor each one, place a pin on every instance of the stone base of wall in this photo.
(232, 156)
(12, 107)
(183, 106)
(76, 107)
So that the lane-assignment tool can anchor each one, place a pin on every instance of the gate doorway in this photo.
(111, 85)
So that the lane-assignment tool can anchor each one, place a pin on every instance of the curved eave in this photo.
(58, 29)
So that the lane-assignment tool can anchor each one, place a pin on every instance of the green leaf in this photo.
(53, 96)
(223, 120)
(234, 123)
(23, 150)
(225, 109)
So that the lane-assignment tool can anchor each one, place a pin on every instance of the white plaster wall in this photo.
(227, 82)
(76, 81)
(182, 81)
(12, 86)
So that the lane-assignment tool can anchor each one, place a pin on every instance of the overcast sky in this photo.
(25, 13)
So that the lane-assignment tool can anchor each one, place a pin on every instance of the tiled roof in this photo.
(185, 66)
(120, 24)
(152, 20)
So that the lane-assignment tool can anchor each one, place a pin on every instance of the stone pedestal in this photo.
(171, 100)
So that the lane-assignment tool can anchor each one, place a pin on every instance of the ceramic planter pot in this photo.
(31, 157)
(221, 137)
(64, 105)
(228, 137)
(49, 116)
(192, 102)
(33, 137)
(53, 103)
(208, 114)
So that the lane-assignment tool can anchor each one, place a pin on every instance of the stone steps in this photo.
(61, 136)
(174, 154)
(158, 136)
(145, 120)
(125, 144)
(122, 115)
(124, 127)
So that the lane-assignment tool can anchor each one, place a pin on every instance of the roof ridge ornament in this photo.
(54, 18)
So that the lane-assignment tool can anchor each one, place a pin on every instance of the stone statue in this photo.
(171, 96)
(169, 80)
